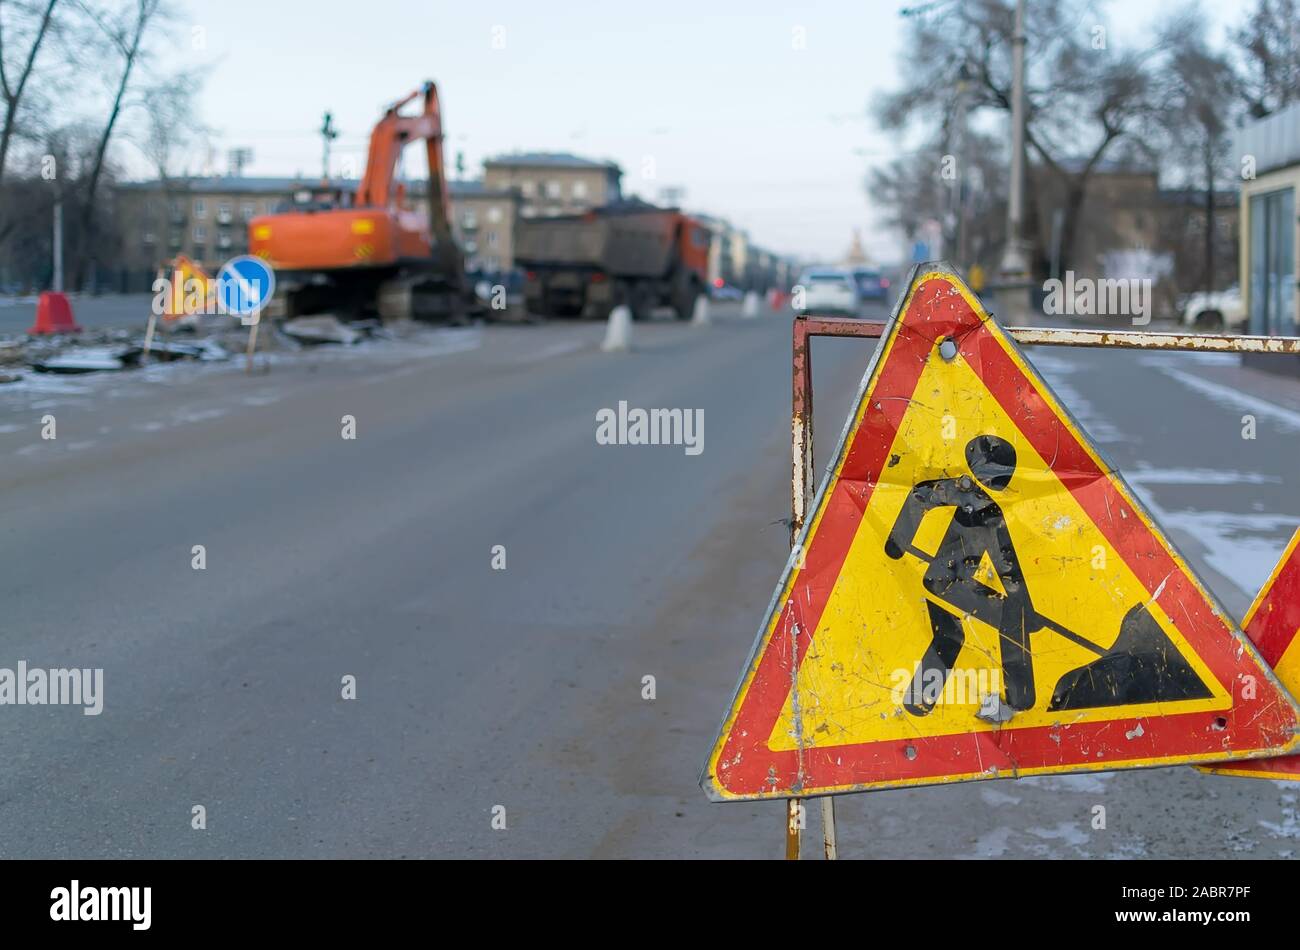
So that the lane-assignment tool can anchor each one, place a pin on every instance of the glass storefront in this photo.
(1272, 263)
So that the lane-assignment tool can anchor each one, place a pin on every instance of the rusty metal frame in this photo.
(802, 486)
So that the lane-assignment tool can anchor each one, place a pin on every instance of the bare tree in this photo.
(1268, 44)
(168, 133)
(169, 129)
(125, 30)
(1082, 94)
(28, 25)
(914, 189)
(35, 21)
(1199, 89)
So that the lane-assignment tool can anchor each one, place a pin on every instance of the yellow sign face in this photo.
(977, 594)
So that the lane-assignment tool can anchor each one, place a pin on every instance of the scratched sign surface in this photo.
(1273, 623)
(977, 594)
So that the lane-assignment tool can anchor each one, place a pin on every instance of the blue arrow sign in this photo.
(245, 285)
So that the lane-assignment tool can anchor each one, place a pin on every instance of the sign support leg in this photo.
(801, 489)
(148, 338)
(793, 831)
(828, 828)
(252, 345)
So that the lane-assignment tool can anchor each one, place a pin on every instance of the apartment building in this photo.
(206, 219)
(554, 183)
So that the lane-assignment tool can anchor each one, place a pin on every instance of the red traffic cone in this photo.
(54, 315)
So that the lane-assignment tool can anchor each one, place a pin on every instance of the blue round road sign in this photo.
(245, 284)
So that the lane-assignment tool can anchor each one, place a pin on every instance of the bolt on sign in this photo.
(1273, 623)
(977, 594)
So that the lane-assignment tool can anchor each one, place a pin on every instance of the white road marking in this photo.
(1227, 396)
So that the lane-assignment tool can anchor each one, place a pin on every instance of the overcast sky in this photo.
(714, 94)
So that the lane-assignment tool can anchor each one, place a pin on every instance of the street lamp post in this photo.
(58, 241)
(1014, 258)
(963, 155)
(328, 133)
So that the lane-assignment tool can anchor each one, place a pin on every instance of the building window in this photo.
(224, 212)
(494, 215)
(528, 212)
(200, 234)
(247, 210)
(579, 190)
(469, 220)
(492, 239)
(149, 238)
(527, 188)
(200, 208)
(554, 189)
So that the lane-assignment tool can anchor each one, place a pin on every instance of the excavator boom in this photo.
(375, 256)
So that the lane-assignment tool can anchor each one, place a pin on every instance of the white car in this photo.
(827, 290)
(1215, 312)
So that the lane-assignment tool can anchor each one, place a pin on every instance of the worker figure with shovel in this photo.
(1140, 666)
(978, 528)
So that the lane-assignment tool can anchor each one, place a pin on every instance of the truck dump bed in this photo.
(623, 244)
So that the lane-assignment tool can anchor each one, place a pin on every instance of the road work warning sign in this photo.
(977, 594)
(1273, 624)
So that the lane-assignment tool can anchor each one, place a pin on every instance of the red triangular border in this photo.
(1272, 623)
(937, 307)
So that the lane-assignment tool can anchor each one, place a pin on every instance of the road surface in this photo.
(517, 693)
(114, 311)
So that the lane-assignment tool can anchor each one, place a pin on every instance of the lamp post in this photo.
(1014, 258)
(963, 155)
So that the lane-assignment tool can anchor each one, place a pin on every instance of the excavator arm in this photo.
(393, 133)
(375, 256)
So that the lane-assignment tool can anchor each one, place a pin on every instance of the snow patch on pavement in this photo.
(996, 797)
(1242, 547)
(1289, 826)
(1196, 476)
(1092, 783)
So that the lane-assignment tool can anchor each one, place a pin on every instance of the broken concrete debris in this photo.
(320, 329)
(90, 359)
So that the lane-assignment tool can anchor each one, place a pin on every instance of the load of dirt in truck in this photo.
(631, 253)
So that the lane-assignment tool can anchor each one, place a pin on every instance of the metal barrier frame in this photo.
(802, 487)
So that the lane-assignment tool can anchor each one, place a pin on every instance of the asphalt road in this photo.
(519, 688)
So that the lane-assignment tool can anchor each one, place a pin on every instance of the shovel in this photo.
(1141, 666)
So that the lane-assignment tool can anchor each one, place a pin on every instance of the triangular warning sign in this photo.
(1273, 624)
(889, 657)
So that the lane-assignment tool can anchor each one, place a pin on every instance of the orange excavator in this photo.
(371, 255)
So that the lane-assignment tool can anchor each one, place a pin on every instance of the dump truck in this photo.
(630, 252)
(370, 254)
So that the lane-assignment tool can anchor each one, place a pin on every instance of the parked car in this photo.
(1215, 312)
(872, 285)
(827, 290)
(484, 282)
(724, 291)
